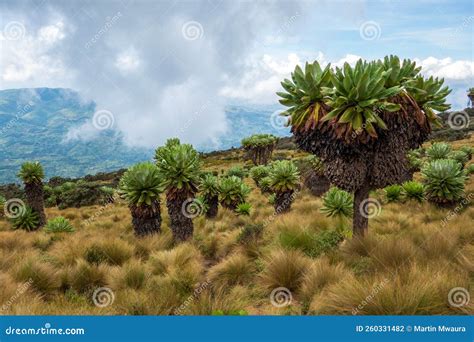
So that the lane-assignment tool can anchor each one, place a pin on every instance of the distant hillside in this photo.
(34, 124)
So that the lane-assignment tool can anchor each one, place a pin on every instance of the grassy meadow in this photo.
(414, 255)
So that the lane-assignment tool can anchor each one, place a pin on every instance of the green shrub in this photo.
(468, 150)
(439, 150)
(236, 171)
(233, 191)
(337, 202)
(393, 192)
(459, 156)
(413, 190)
(470, 169)
(27, 220)
(257, 173)
(59, 225)
(243, 209)
(444, 181)
(264, 184)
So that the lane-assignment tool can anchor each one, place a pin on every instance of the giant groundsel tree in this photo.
(259, 147)
(362, 120)
(179, 166)
(141, 186)
(32, 175)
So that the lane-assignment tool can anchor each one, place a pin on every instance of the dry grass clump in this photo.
(418, 291)
(284, 269)
(43, 277)
(235, 269)
(111, 251)
(182, 265)
(320, 274)
(133, 275)
(84, 277)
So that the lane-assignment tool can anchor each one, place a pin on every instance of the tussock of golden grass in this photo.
(110, 251)
(84, 277)
(320, 274)
(235, 269)
(132, 302)
(147, 245)
(284, 269)
(43, 277)
(393, 253)
(213, 301)
(419, 291)
(132, 275)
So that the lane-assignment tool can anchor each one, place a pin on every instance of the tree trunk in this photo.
(360, 224)
(316, 184)
(181, 226)
(35, 199)
(213, 203)
(283, 202)
(146, 220)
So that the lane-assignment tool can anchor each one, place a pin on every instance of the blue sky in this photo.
(154, 62)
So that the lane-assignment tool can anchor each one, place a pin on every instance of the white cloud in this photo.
(128, 60)
(447, 68)
(32, 60)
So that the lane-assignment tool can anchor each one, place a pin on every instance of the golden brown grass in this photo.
(407, 265)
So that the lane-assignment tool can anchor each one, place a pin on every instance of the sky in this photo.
(158, 69)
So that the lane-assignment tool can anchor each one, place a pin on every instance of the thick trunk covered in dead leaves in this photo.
(35, 199)
(317, 184)
(181, 225)
(355, 161)
(213, 206)
(360, 222)
(146, 220)
(283, 201)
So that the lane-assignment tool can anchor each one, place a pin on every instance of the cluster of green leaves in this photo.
(259, 140)
(257, 173)
(243, 209)
(444, 181)
(236, 171)
(141, 184)
(59, 225)
(2, 204)
(461, 157)
(179, 165)
(398, 73)
(209, 186)
(284, 176)
(304, 94)
(429, 94)
(439, 150)
(356, 95)
(233, 190)
(393, 192)
(27, 220)
(337, 202)
(413, 190)
(468, 150)
(31, 172)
